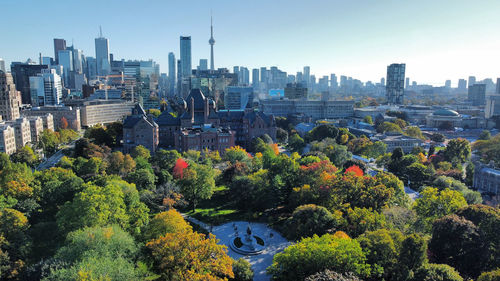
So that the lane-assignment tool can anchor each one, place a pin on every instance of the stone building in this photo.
(398, 140)
(204, 137)
(200, 111)
(22, 131)
(140, 129)
(7, 139)
(36, 128)
(70, 113)
(10, 98)
(487, 178)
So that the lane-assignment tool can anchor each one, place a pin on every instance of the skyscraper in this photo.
(2, 65)
(102, 55)
(59, 45)
(462, 84)
(46, 88)
(21, 73)
(91, 67)
(255, 77)
(307, 74)
(203, 64)
(185, 56)
(211, 42)
(333, 81)
(447, 84)
(395, 83)
(66, 60)
(407, 83)
(472, 80)
(10, 98)
(477, 94)
(78, 59)
(171, 74)
(498, 87)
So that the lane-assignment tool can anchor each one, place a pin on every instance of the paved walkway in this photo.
(225, 233)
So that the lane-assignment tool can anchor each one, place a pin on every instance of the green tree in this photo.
(412, 256)
(490, 276)
(389, 127)
(315, 254)
(281, 135)
(242, 270)
(414, 131)
(108, 241)
(328, 275)
(140, 151)
(321, 132)
(308, 220)
(143, 178)
(437, 272)
(296, 143)
(99, 135)
(49, 141)
(25, 155)
(198, 183)
(382, 249)
(437, 137)
(359, 220)
(485, 135)
(368, 119)
(458, 149)
(170, 221)
(435, 204)
(120, 164)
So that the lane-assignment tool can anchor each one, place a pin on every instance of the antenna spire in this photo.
(100, 31)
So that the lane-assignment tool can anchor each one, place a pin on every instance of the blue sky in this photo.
(438, 39)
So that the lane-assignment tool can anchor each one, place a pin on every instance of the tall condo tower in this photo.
(394, 88)
(211, 42)
(102, 55)
(185, 69)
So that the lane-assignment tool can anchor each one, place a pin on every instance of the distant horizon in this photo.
(448, 40)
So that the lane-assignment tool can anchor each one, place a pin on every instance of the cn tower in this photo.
(211, 42)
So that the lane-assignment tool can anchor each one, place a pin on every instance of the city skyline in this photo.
(353, 41)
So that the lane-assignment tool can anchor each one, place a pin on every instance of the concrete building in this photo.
(203, 64)
(492, 106)
(204, 137)
(140, 129)
(7, 139)
(22, 131)
(2, 65)
(46, 88)
(59, 45)
(71, 114)
(48, 121)
(471, 81)
(171, 74)
(10, 98)
(311, 108)
(103, 111)
(477, 94)
(295, 91)
(36, 128)
(394, 141)
(486, 178)
(462, 84)
(238, 97)
(444, 118)
(395, 83)
(497, 91)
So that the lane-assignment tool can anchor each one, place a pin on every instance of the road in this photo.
(55, 158)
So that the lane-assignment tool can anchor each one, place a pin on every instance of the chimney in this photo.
(207, 111)
(192, 110)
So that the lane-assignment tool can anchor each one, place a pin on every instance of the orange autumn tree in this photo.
(64, 123)
(189, 255)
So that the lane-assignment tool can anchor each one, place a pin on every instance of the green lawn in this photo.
(216, 210)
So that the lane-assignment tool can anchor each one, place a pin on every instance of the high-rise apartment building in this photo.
(498, 87)
(407, 83)
(66, 60)
(477, 94)
(395, 83)
(10, 98)
(171, 74)
(462, 84)
(447, 84)
(244, 76)
(46, 88)
(333, 81)
(59, 45)
(185, 46)
(102, 55)
(306, 75)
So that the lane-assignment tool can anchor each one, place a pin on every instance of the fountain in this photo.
(249, 245)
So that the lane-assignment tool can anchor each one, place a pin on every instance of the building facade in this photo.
(46, 88)
(104, 111)
(395, 83)
(185, 47)
(22, 131)
(21, 72)
(312, 108)
(295, 91)
(397, 140)
(486, 178)
(477, 94)
(71, 114)
(140, 129)
(10, 98)
(36, 128)
(7, 139)
(238, 97)
(204, 137)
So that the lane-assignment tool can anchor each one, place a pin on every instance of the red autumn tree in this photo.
(354, 169)
(179, 167)
(64, 123)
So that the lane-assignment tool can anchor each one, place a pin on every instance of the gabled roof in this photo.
(199, 99)
(252, 116)
(131, 121)
(166, 119)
